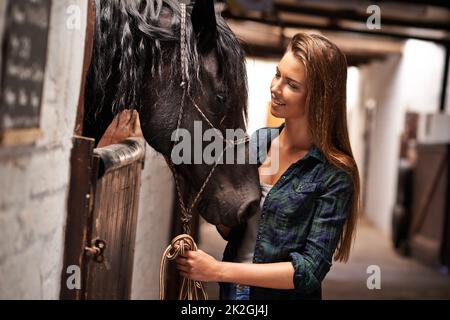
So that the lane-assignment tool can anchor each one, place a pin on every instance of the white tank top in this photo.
(247, 247)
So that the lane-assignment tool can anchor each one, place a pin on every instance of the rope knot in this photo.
(190, 289)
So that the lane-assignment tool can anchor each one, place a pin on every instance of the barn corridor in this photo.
(401, 278)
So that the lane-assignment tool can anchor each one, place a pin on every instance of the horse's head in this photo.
(137, 63)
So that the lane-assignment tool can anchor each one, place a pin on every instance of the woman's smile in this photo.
(277, 102)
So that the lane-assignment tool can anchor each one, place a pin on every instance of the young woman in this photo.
(309, 207)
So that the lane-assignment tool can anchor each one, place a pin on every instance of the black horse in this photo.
(136, 65)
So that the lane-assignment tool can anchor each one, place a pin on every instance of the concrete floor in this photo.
(400, 277)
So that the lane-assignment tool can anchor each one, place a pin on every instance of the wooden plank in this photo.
(79, 200)
(137, 173)
(89, 226)
(20, 136)
(88, 45)
(114, 219)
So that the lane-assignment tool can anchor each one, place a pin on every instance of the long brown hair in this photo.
(326, 77)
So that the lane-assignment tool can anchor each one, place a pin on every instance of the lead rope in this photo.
(190, 289)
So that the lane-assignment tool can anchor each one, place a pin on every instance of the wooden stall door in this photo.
(102, 218)
(112, 231)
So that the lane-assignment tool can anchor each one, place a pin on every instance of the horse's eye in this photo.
(221, 98)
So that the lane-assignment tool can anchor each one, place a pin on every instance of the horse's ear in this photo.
(203, 19)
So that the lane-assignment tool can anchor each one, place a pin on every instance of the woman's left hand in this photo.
(198, 265)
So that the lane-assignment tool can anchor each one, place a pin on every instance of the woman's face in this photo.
(288, 88)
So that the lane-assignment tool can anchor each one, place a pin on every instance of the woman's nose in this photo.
(275, 88)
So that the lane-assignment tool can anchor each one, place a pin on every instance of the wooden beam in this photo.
(435, 3)
(354, 15)
(332, 27)
(273, 44)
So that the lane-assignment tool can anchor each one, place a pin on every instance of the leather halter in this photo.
(186, 210)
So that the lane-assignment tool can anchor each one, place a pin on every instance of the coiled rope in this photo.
(190, 289)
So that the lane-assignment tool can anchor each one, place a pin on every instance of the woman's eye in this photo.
(293, 86)
(277, 75)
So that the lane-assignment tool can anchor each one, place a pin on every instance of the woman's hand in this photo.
(198, 265)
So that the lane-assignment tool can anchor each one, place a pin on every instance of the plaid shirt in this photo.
(301, 220)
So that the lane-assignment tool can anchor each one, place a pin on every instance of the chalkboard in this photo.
(24, 53)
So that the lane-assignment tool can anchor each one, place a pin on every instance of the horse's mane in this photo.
(130, 47)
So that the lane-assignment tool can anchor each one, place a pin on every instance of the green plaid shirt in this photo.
(301, 220)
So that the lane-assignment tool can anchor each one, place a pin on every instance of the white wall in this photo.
(34, 179)
(154, 225)
(260, 74)
(400, 83)
(355, 117)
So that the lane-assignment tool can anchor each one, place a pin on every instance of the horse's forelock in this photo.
(130, 47)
